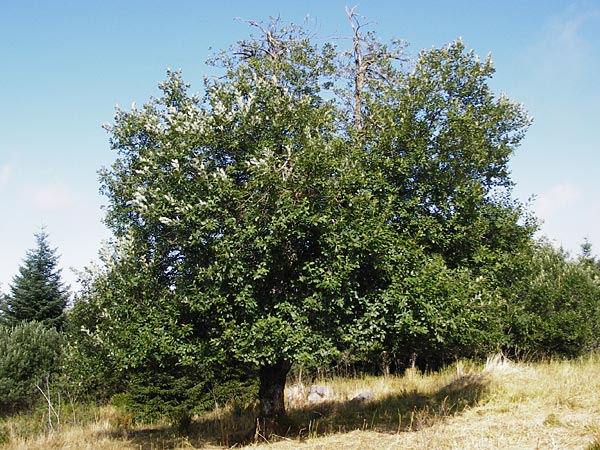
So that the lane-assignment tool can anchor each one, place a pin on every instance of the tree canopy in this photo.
(37, 292)
(312, 205)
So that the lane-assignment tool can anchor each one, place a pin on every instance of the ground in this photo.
(504, 405)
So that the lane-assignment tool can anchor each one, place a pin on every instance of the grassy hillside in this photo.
(503, 405)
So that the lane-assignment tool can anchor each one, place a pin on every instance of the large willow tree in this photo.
(311, 204)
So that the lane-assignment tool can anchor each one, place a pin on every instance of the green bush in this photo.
(29, 353)
(154, 395)
(557, 310)
(89, 371)
(177, 393)
(443, 314)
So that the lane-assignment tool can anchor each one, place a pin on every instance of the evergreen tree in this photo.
(37, 293)
(3, 299)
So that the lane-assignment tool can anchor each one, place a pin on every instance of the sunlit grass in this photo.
(554, 404)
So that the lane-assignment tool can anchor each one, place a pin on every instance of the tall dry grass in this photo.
(550, 405)
(500, 405)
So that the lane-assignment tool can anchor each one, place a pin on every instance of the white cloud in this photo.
(569, 214)
(563, 50)
(52, 198)
(5, 174)
(555, 200)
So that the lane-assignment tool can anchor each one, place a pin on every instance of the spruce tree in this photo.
(3, 299)
(37, 292)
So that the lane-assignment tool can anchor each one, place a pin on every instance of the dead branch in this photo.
(274, 47)
(51, 410)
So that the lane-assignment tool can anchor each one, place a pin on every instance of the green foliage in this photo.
(162, 369)
(557, 311)
(448, 313)
(88, 371)
(37, 292)
(29, 354)
(3, 307)
(283, 217)
(178, 393)
(157, 394)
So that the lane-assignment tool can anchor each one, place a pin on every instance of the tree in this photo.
(557, 305)
(3, 299)
(286, 218)
(126, 338)
(37, 292)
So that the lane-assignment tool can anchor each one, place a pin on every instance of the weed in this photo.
(552, 420)
(4, 434)
(595, 445)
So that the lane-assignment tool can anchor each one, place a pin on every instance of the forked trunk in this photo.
(272, 385)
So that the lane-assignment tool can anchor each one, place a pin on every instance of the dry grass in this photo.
(19, 434)
(551, 405)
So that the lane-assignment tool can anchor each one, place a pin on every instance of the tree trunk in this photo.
(272, 385)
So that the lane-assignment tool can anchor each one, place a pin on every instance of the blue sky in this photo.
(66, 64)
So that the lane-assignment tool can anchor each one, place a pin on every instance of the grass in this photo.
(503, 405)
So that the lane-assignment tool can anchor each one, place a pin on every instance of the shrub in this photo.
(558, 306)
(89, 370)
(29, 353)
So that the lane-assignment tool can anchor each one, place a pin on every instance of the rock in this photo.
(323, 391)
(319, 393)
(363, 396)
(296, 395)
(313, 397)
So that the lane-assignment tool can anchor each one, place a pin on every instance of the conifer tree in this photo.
(37, 292)
(3, 299)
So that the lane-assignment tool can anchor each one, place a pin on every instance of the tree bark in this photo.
(272, 385)
(360, 66)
